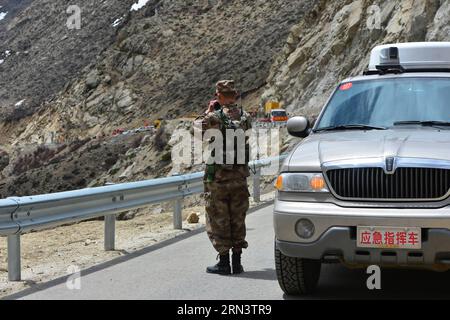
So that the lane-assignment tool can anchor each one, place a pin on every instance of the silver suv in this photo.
(370, 182)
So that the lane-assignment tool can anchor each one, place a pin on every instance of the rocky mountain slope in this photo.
(41, 54)
(124, 67)
(164, 61)
(335, 39)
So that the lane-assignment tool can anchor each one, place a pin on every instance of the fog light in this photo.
(305, 229)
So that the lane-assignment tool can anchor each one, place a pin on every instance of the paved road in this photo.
(177, 271)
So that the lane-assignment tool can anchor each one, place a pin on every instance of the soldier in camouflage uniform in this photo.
(226, 189)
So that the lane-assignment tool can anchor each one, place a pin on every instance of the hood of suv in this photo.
(320, 148)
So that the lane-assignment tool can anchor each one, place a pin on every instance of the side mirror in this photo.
(298, 127)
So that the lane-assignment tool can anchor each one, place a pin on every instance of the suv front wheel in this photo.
(296, 276)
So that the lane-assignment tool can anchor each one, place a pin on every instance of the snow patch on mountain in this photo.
(139, 5)
(3, 15)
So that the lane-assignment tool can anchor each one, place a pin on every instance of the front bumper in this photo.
(335, 233)
(339, 244)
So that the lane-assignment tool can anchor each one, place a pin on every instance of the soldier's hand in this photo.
(211, 107)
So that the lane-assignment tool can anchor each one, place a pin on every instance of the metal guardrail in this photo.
(19, 215)
(270, 125)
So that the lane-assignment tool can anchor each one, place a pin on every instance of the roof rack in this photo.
(396, 70)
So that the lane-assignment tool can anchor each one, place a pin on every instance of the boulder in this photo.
(193, 218)
(123, 98)
(92, 80)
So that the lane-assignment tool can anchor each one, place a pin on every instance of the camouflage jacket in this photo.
(229, 117)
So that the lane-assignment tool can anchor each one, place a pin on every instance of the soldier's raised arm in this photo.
(213, 106)
(211, 121)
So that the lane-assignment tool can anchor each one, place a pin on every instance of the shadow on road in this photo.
(266, 274)
(337, 282)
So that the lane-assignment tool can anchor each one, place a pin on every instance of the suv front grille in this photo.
(404, 184)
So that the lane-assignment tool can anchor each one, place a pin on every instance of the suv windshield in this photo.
(388, 102)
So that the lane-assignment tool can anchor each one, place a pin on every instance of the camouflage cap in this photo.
(226, 86)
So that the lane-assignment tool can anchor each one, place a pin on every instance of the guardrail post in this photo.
(14, 273)
(110, 232)
(257, 185)
(177, 214)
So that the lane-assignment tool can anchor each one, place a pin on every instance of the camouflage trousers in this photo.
(227, 204)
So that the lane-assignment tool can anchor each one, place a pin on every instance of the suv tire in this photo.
(296, 276)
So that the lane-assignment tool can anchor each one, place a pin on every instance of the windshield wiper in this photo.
(350, 127)
(424, 123)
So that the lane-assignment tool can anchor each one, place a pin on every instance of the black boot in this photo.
(236, 262)
(223, 267)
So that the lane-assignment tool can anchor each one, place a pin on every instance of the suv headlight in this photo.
(301, 182)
